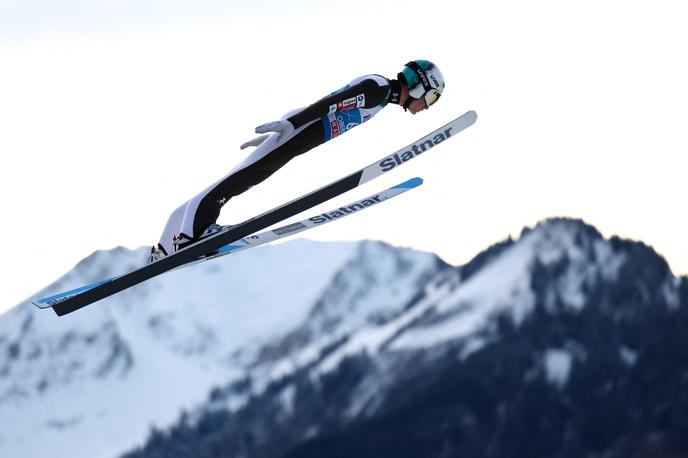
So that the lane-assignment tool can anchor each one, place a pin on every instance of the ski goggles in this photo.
(431, 96)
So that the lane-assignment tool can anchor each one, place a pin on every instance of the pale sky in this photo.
(113, 113)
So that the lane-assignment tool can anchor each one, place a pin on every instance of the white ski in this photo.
(263, 237)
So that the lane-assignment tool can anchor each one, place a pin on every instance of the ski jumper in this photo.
(314, 125)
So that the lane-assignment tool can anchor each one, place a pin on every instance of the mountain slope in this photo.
(94, 383)
(558, 343)
(561, 343)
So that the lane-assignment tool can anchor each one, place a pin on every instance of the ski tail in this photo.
(56, 299)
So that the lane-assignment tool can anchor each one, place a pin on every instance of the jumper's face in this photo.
(417, 106)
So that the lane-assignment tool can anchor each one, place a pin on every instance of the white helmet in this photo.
(424, 80)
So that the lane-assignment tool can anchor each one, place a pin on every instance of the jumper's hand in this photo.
(283, 128)
(255, 142)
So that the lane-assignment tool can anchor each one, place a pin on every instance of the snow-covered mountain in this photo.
(94, 383)
(359, 349)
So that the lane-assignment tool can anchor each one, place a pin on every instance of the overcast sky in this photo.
(113, 113)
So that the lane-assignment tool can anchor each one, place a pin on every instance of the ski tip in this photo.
(408, 184)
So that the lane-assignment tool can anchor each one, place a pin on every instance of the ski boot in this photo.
(157, 252)
(182, 241)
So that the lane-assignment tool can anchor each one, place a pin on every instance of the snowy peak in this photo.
(65, 378)
(400, 342)
(385, 299)
(575, 264)
(373, 287)
(556, 239)
(571, 258)
(371, 291)
(559, 264)
(560, 326)
(304, 338)
(559, 258)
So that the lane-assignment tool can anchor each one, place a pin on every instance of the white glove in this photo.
(283, 128)
(255, 142)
